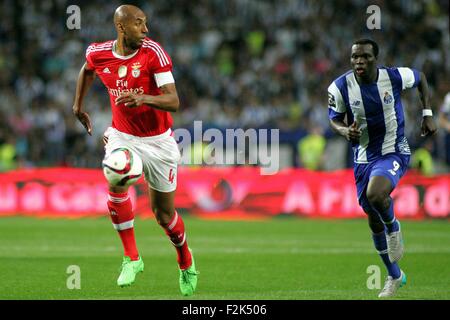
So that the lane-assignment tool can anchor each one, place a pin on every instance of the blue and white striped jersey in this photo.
(377, 108)
(445, 108)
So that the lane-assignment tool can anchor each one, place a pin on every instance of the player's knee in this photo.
(368, 210)
(378, 200)
(375, 223)
(118, 189)
(373, 197)
(162, 215)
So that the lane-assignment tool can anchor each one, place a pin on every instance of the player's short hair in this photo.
(371, 42)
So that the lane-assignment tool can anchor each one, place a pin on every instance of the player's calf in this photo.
(175, 230)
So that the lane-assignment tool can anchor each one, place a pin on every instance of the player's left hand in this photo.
(130, 100)
(428, 127)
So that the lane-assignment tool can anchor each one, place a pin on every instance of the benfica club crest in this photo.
(136, 69)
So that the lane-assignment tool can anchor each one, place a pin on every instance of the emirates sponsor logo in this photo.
(115, 92)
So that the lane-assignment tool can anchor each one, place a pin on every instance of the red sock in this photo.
(119, 205)
(176, 233)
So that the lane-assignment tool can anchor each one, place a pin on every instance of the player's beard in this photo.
(133, 45)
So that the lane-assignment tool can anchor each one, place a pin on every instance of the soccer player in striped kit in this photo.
(137, 72)
(365, 107)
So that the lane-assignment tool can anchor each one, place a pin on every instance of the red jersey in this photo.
(133, 73)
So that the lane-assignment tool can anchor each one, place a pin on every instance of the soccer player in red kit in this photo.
(137, 74)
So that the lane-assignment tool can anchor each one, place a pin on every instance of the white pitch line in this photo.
(62, 250)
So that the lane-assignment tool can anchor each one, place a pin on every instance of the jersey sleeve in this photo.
(160, 64)
(89, 58)
(163, 78)
(159, 59)
(336, 105)
(410, 77)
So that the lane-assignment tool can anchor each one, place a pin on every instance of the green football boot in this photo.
(129, 271)
(188, 279)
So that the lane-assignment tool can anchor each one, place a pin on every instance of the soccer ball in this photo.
(122, 167)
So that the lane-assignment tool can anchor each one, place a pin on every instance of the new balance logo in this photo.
(106, 70)
(356, 103)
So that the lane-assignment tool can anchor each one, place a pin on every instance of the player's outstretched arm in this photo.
(84, 82)
(351, 133)
(167, 101)
(428, 126)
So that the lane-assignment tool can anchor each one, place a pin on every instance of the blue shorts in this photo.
(392, 166)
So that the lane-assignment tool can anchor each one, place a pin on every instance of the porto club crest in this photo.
(387, 98)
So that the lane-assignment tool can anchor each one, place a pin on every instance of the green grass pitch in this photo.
(282, 258)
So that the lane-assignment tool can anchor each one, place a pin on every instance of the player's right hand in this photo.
(353, 133)
(85, 120)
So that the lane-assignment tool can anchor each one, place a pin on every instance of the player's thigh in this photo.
(160, 159)
(114, 140)
(362, 175)
(386, 173)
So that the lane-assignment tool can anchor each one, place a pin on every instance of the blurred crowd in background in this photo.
(237, 64)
